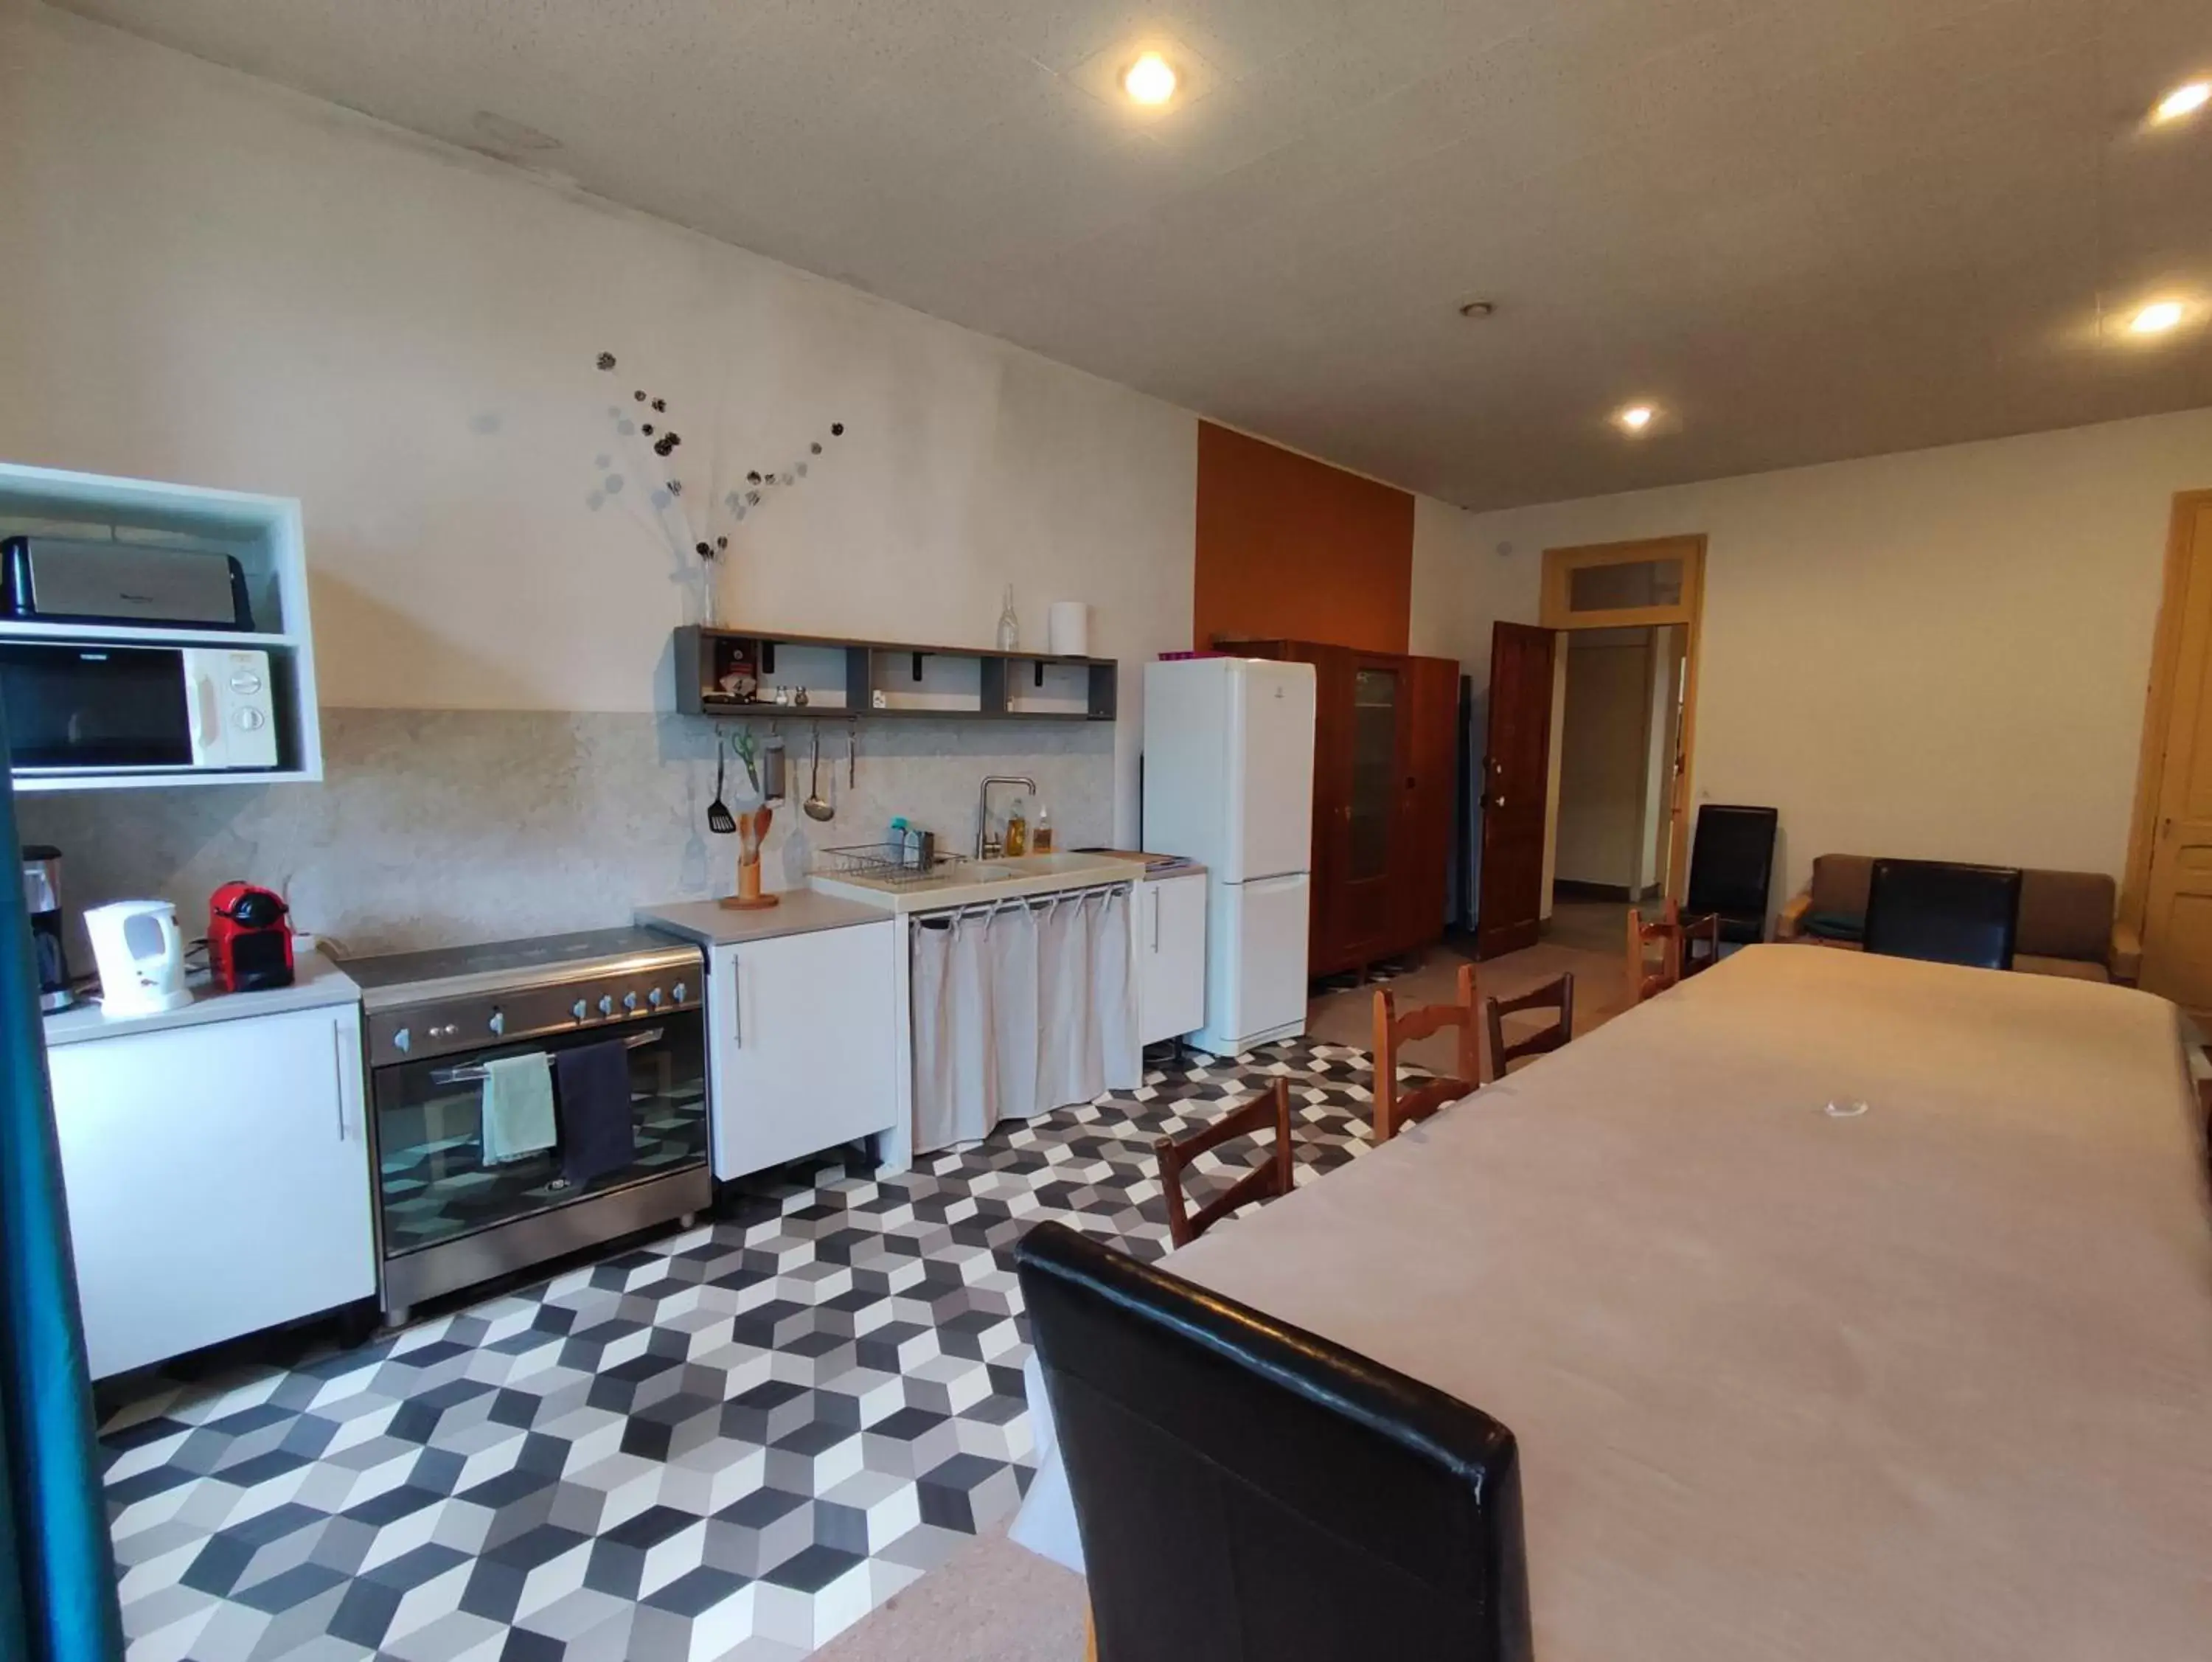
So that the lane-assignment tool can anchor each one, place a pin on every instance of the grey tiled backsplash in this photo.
(436, 827)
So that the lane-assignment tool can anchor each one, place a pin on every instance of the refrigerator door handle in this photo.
(1265, 885)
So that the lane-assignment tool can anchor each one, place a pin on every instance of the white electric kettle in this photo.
(141, 956)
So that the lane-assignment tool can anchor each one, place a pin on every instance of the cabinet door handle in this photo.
(1156, 917)
(736, 1004)
(338, 1072)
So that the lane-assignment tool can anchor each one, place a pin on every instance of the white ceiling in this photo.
(1808, 228)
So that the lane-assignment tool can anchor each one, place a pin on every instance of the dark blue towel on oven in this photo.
(597, 1134)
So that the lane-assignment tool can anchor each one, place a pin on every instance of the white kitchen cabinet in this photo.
(803, 1032)
(217, 1177)
(1170, 957)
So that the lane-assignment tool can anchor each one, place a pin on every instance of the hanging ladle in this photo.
(816, 807)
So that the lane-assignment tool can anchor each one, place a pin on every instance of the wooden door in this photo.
(2177, 912)
(1516, 767)
(1421, 860)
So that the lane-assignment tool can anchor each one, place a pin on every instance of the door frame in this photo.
(2157, 705)
(1554, 613)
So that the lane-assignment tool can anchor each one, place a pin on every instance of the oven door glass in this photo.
(73, 707)
(433, 1183)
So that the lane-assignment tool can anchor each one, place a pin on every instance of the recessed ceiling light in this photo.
(2157, 318)
(2185, 99)
(1636, 417)
(1150, 80)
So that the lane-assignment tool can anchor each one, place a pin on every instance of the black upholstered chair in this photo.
(1946, 913)
(1732, 867)
(1248, 1492)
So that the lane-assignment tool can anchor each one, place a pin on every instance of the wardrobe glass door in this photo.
(1375, 695)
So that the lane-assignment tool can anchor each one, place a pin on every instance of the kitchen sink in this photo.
(968, 882)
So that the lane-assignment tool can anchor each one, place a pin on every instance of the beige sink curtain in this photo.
(1020, 1008)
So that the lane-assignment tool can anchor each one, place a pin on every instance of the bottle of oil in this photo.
(1018, 830)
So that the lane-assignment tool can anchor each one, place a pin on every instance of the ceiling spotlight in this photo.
(1150, 80)
(2186, 99)
(2157, 318)
(1478, 308)
(1636, 417)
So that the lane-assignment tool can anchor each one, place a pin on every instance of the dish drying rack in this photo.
(887, 863)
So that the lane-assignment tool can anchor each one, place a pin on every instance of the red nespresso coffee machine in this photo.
(249, 939)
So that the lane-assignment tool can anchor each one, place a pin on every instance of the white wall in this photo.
(206, 278)
(1604, 744)
(1940, 654)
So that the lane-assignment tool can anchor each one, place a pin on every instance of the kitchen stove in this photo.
(449, 1215)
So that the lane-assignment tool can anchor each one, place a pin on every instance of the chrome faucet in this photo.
(988, 847)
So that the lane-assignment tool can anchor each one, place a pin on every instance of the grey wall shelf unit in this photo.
(844, 678)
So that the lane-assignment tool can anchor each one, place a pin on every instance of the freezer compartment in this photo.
(1255, 975)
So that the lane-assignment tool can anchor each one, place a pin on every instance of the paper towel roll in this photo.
(1067, 628)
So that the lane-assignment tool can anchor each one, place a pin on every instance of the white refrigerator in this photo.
(1229, 764)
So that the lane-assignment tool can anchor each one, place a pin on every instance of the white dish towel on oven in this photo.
(518, 1107)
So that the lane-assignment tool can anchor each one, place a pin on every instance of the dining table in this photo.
(1842, 1306)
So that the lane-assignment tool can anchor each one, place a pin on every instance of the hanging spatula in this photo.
(719, 817)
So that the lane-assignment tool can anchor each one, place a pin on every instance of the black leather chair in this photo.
(1248, 1492)
(1946, 913)
(1732, 867)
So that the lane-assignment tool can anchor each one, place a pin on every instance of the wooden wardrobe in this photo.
(1386, 754)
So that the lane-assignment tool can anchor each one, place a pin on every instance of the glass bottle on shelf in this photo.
(1010, 626)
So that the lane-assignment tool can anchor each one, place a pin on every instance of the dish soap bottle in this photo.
(1041, 833)
(1010, 627)
(1017, 831)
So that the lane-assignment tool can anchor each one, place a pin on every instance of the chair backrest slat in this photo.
(1558, 993)
(1269, 1110)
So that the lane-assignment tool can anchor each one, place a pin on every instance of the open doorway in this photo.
(1620, 750)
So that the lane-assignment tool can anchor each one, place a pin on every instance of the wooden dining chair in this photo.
(1555, 994)
(1396, 1107)
(1271, 1108)
(1690, 932)
(1645, 980)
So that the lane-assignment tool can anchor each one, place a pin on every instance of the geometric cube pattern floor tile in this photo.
(730, 1443)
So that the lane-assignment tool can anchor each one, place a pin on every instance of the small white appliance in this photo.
(1229, 770)
(99, 706)
(141, 955)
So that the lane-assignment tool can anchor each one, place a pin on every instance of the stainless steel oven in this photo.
(459, 1197)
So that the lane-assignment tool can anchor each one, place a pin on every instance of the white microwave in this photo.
(89, 707)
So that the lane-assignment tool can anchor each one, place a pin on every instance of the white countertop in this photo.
(797, 911)
(317, 982)
(975, 882)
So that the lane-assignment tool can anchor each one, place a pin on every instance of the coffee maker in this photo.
(249, 939)
(42, 900)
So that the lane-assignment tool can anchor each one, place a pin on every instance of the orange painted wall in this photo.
(1293, 549)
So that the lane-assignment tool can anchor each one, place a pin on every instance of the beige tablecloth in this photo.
(1934, 1381)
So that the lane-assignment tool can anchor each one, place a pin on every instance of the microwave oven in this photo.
(89, 707)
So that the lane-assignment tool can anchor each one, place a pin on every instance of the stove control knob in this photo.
(606, 1004)
(681, 991)
(402, 1041)
(579, 1010)
(498, 1022)
(629, 1001)
(656, 998)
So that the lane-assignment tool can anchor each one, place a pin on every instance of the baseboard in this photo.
(1567, 889)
